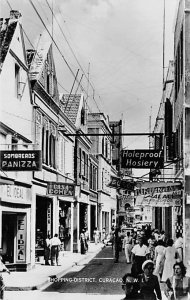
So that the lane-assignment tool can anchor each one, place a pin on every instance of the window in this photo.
(83, 116)
(102, 146)
(179, 64)
(17, 80)
(48, 147)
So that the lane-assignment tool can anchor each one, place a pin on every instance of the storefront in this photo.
(44, 224)
(65, 224)
(15, 226)
(83, 219)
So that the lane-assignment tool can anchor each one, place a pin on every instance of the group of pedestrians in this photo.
(155, 259)
(52, 249)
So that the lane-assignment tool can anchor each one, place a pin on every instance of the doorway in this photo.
(9, 221)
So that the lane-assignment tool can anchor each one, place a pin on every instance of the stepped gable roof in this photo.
(70, 106)
(7, 30)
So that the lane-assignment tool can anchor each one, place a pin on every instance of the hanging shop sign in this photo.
(61, 189)
(121, 183)
(144, 159)
(125, 201)
(160, 194)
(21, 160)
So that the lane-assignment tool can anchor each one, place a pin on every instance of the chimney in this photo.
(15, 14)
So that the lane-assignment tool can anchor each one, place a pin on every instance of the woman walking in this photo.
(83, 242)
(178, 286)
(159, 259)
(170, 255)
(148, 283)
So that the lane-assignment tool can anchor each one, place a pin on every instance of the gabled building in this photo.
(53, 186)
(85, 168)
(16, 138)
(98, 127)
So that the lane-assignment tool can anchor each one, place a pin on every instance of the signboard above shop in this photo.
(144, 159)
(160, 194)
(21, 160)
(61, 189)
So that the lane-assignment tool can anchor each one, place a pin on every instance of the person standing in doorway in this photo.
(55, 244)
(83, 242)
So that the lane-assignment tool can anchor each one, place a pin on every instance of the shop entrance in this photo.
(9, 221)
(93, 220)
(44, 224)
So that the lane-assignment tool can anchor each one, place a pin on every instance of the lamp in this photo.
(21, 88)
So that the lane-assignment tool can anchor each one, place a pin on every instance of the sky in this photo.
(117, 44)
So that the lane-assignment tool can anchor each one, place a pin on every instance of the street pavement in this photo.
(39, 276)
(98, 263)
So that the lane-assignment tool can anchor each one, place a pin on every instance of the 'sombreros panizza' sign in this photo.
(144, 159)
(21, 160)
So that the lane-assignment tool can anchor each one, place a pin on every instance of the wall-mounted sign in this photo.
(21, 160)
(21, 238)
(144, 159)
(61, 189)
(160, 194)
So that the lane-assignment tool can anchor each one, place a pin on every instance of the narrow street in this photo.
(100, 276)
(99, 279)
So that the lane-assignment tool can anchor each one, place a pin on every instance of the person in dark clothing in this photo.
(117, 243)
(148, 283)
(130, 286)
(83, 242)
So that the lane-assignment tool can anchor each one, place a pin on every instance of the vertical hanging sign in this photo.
(21, 239)
(49, 218)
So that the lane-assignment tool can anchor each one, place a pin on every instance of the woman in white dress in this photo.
(170, 255)
(159, 258)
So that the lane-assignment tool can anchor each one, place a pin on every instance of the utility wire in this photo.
(72, 50)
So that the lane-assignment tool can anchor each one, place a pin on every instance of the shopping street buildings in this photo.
(52, 180)
(173, 121)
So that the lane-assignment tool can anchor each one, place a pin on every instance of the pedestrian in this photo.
(117, 243)
(127, 243)
(163, 237)
(86, 235)
(170, 256)
(159, 258)
(130, 286)
(83, 242)
(178, 286)
(3, 268)
(47, 250)
(112, 236)
(151, 248)
(55, 244)
(103, 234)
(149, 287)
(156, 234)
(179, 246)
(96, 235)
(140, 253)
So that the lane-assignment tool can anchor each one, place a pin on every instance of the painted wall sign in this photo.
(60, 189)
(15, 193)
(21, 160)
(160, 194)
(144, 159)
(21, 238)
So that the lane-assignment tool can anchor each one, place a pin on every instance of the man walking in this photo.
(55, 244)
